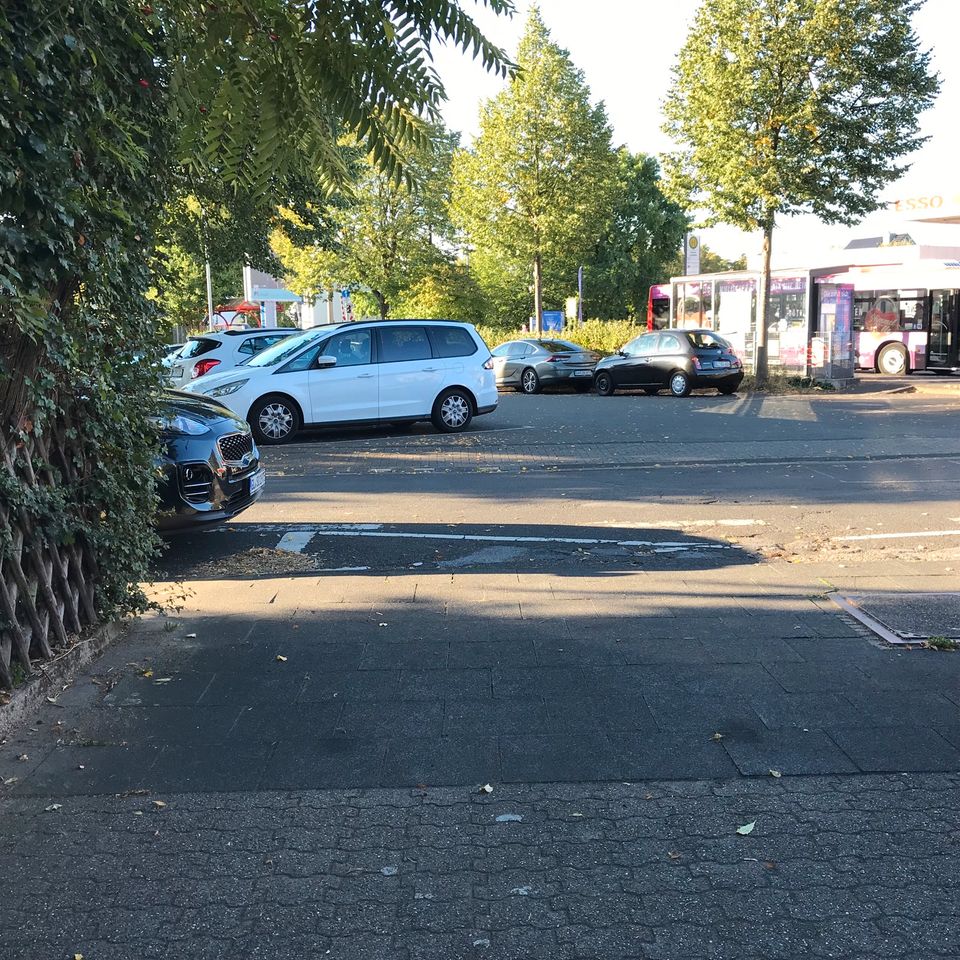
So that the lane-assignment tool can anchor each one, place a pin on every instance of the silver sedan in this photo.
(531, 365)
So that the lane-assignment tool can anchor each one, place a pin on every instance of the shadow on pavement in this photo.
(294, 685)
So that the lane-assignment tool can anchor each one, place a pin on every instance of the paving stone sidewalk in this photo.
(853, 868)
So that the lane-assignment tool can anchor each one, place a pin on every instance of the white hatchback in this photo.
(389, 371)
(221, 350)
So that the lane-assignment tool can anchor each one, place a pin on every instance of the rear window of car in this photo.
(452, 342)
(703, 340)
(254, 345)
(559, 346)
(197, 346)
(404, 343)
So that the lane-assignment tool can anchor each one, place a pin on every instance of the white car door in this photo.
(410, 378)
(347, 391)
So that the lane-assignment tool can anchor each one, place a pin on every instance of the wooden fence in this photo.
(46, 586)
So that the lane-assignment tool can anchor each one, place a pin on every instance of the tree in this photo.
(787, 106)
(448, 292)
(384, 236)
(645, 230)
(536, 190)
(389, 236)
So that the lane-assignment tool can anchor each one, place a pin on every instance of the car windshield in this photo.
(703, 340)
(285, 349)
(559, 346)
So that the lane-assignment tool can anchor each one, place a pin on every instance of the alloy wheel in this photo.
(276, 421)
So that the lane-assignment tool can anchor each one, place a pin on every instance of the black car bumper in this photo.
(194, 495)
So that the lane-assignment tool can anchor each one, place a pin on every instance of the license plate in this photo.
(723, 363)
(177, 372)
(257, 481)
(582, 373)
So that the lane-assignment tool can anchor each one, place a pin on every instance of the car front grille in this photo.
(234, 446)
(196, 482)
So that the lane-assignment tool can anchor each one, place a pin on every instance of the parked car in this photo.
(531, 365)
(388, 371)
(674, 360)
(170, 353)
(210, 467)
(222, 350)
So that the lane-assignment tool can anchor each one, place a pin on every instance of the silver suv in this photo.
(221, 350)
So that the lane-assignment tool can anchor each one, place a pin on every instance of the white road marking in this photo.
(912, 535)
(296, 541)
(492, 538)
(341, 569)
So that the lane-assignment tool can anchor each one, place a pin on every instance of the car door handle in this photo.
(430, 369)
(364, 376)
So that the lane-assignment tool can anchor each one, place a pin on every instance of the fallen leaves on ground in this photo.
(281, 658)
(51, 808)
(747, 828)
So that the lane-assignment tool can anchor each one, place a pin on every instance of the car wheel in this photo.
(651, 391)
(893, 361)
(604, 384)
(581, 387)
(680, 385)
(274, 419)
(529, 381)
(452, 411)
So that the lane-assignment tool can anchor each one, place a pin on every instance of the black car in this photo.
(210, 468)
(674, 360)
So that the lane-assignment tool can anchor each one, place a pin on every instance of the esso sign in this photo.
(913, 204)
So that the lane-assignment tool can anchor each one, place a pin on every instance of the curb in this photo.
(64, 668)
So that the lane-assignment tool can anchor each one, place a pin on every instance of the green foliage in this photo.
(539, 181)
(604, 336)
(645, 230)
(382, 239)
(447, 292)
(80, 188)
(254, 76)
(794, 106)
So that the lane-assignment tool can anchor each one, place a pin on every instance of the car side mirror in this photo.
(621, 353)
(321, 363)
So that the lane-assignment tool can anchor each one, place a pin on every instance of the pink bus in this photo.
(905, 318)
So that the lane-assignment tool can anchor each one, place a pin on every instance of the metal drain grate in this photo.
(905, 617)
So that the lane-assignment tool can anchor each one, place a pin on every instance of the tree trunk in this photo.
(760, 366)
(537, 296)
(21, 358)
(382, 304)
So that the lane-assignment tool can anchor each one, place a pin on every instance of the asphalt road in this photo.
(615, 612)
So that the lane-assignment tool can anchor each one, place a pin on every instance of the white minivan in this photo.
(389, 371)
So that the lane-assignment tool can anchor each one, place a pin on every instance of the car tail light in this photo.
(202, 367)
(556, 358)
(488, 364)
(696, 363)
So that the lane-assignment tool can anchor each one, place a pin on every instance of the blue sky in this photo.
(626, 49)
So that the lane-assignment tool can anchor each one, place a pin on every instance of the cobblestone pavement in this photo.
(856, 867)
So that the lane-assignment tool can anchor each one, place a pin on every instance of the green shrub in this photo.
(604, 336)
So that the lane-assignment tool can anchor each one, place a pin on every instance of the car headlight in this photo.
(225, 389)
(182, 425)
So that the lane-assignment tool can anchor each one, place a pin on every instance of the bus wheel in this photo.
(893, 360)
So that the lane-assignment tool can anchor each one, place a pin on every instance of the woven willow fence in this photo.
(46, 588)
